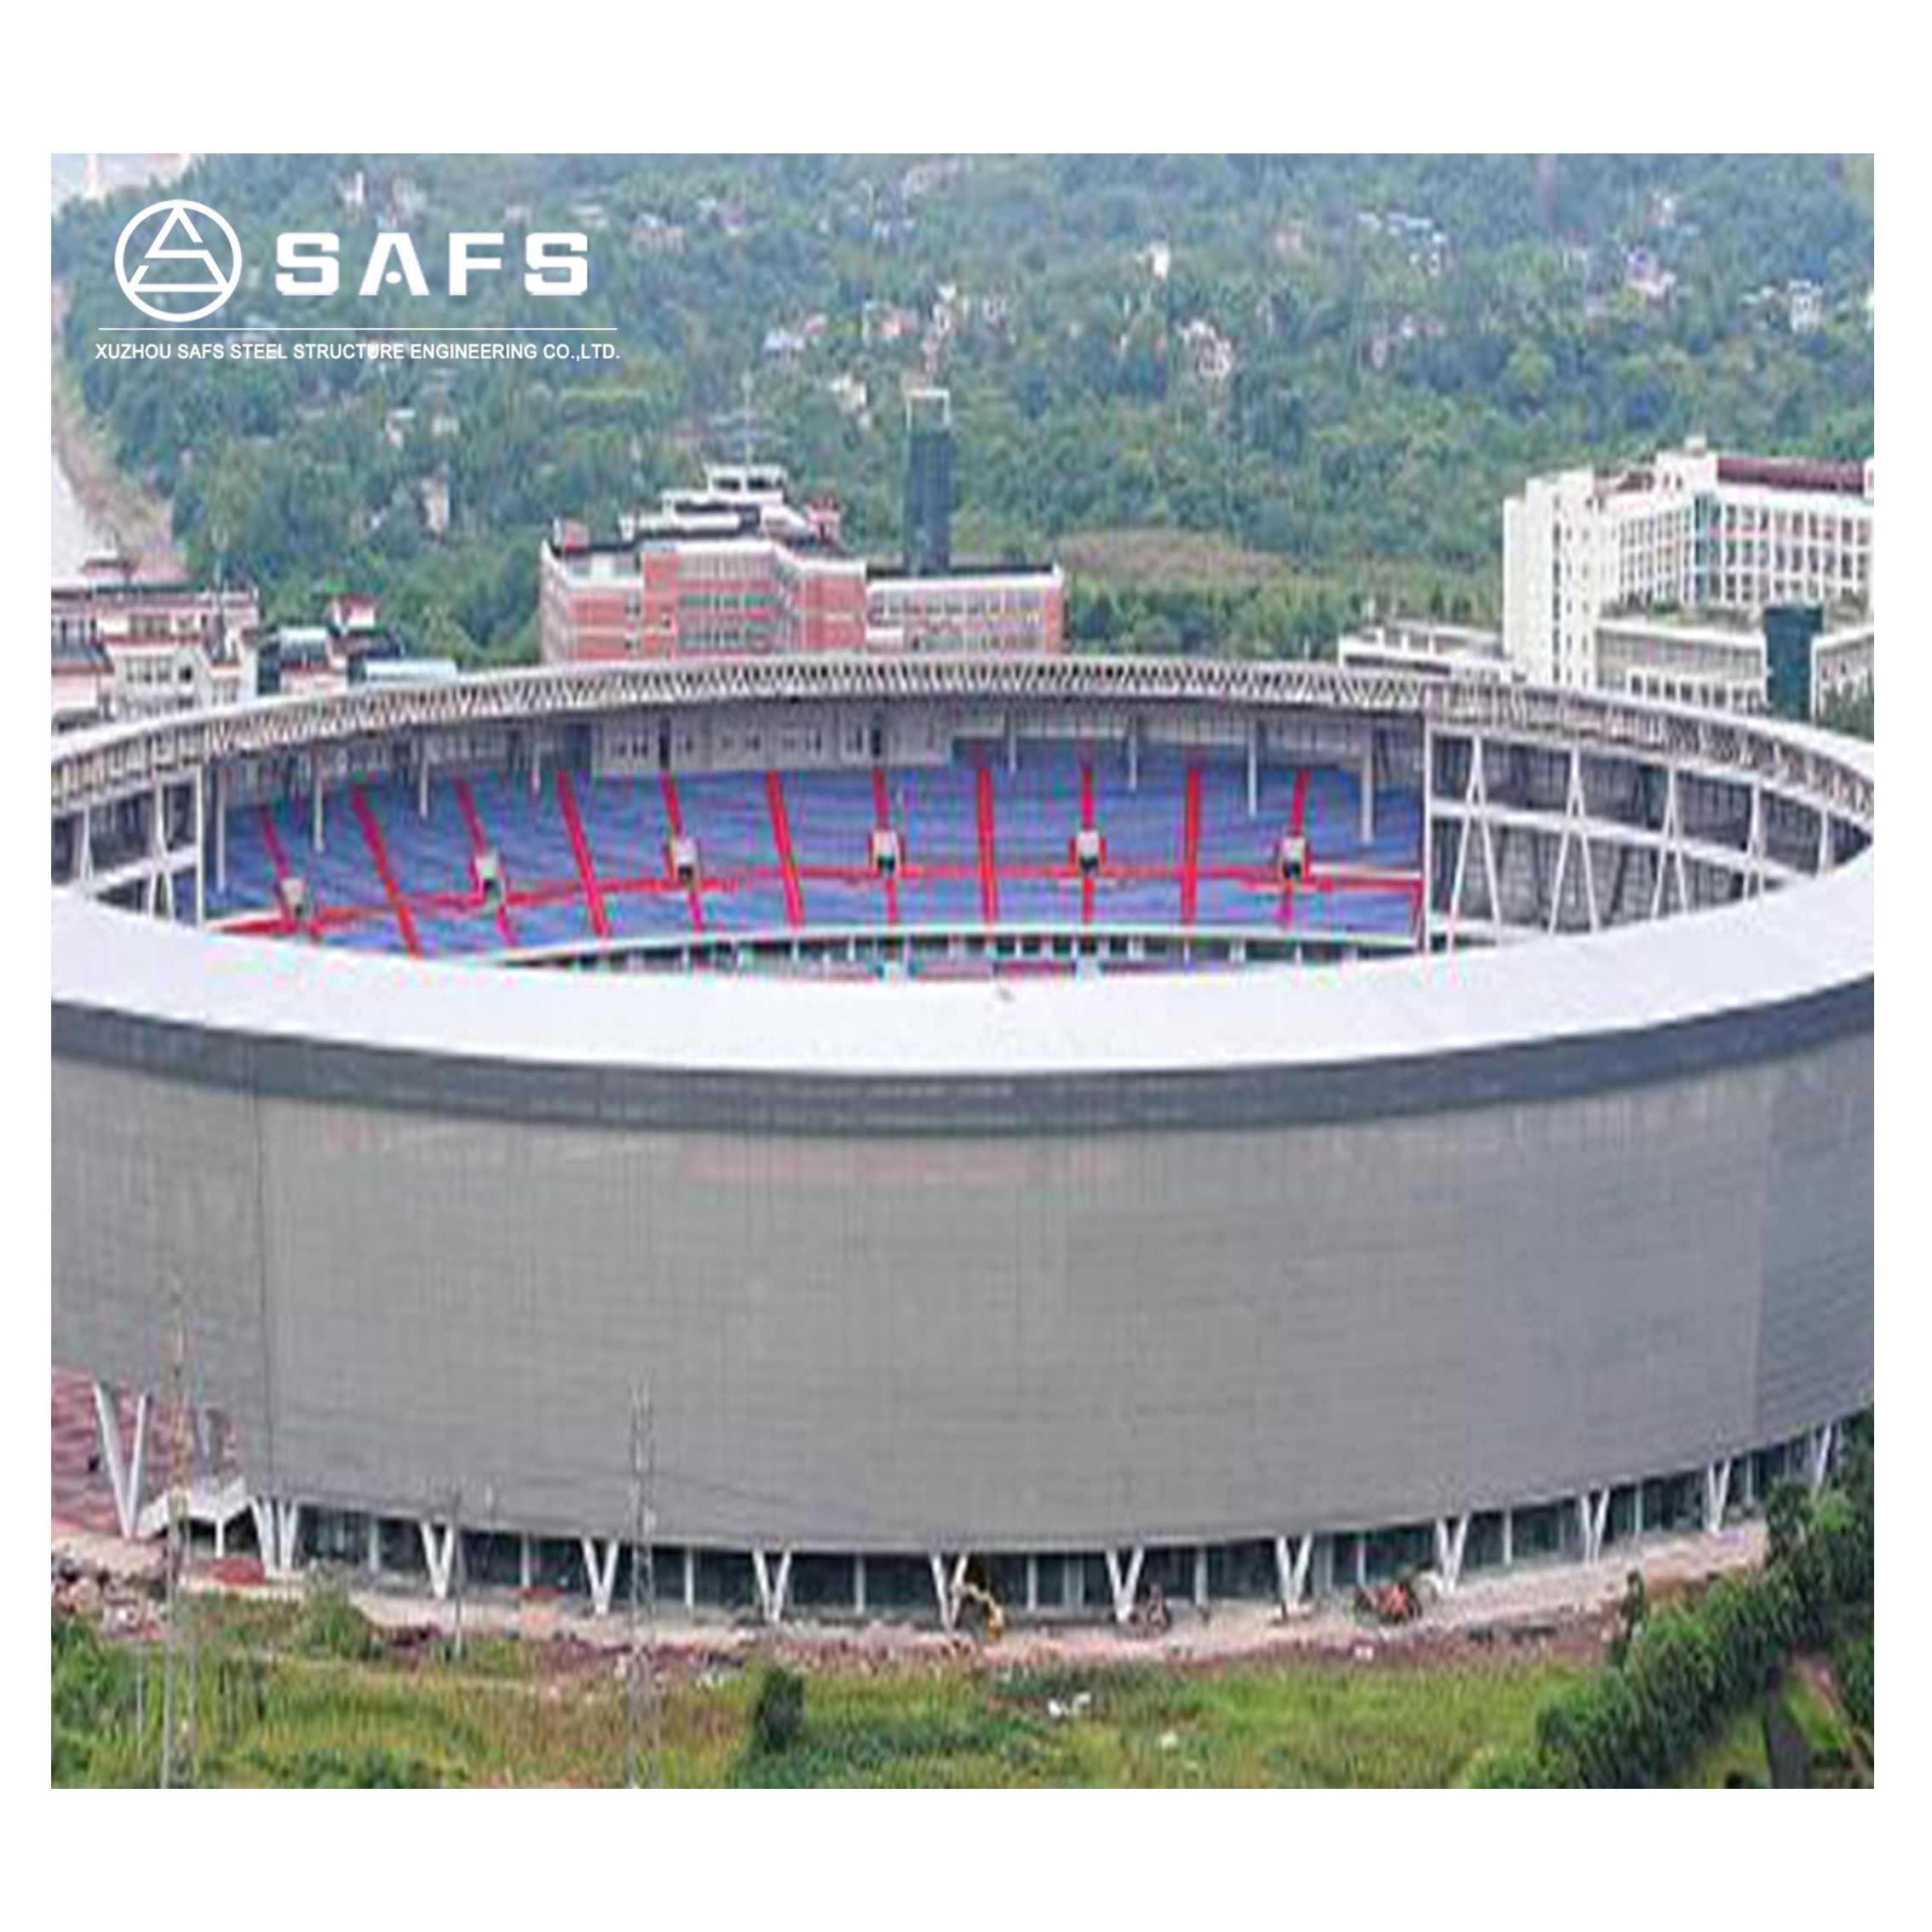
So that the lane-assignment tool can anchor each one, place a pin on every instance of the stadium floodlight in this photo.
(487, 868)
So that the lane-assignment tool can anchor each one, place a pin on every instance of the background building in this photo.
(312, 658)
(1709, 658)
(1840, 663)
(1659, 578)
(126, 646)
(736, 566)
(1008, 607)
(1440, 650)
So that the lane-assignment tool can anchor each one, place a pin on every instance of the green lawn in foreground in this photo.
(271, 1710)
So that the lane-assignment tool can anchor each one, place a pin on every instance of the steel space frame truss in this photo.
(1488, 874)
(1501, 869)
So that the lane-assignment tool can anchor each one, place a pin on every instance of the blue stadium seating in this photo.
(737, 859)
(1035, 810)
(832, 815)
(249, 886)
(936, 812)
(627, 828)
(428, 855)
(1141, 825)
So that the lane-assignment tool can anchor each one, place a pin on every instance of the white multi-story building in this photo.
(1841, 663)
(126, 644)
(1791, 533)
(1687, 534)
(1427, 647)
(1709, 658)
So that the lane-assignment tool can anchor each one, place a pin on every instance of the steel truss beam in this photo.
(117, 759)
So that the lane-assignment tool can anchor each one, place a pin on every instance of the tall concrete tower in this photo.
(928, 481)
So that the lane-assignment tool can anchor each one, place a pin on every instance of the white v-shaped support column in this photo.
(1123, 1581)
(1593, 1517)
(438, 1555)
(1291, 1556)
(277, 1529)
(600, 1566)
(774, 1584)
(1819, 1447)
(124, 1467)
(949, 1578)
(1716, 1492)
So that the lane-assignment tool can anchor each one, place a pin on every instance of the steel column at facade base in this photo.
(1303, 1564)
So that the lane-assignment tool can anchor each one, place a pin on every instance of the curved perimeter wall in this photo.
(1308, 1250)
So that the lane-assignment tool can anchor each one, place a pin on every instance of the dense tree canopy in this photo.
(1338, 364)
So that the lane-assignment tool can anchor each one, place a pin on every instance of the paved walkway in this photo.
(1530, 1604)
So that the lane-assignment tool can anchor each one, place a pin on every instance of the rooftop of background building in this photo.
(1796, 473)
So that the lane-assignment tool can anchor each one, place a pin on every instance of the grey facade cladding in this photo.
(815, 1102)
(1021, 1313)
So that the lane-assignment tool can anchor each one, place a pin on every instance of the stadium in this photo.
(867, 1128)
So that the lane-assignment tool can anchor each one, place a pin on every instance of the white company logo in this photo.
(178, 262)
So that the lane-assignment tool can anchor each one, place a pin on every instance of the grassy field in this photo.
(1183, 559)
(284, 1696)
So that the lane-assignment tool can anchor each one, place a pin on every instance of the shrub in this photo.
(1744, 1645)
(1784, 1608)
(1810, 1569)
(1675, 1674)
(1592, 1733)
(777, 1710)
(1673, 1678)
(1856, 1465)
(1787, 1513)
(1631, 1616)
(1784, 1746)
(1852, 1665)
(1842, 1536)
(332, 1626)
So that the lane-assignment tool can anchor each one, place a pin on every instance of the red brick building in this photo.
(736, 566)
